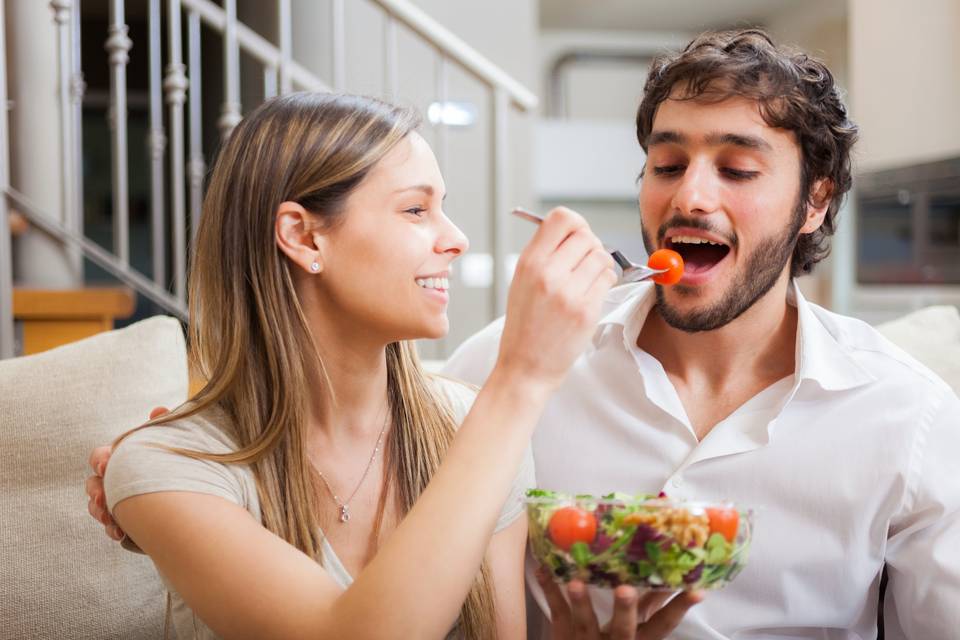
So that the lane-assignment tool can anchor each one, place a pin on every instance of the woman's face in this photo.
(386, 263)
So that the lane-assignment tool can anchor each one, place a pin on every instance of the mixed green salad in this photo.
(647, 541)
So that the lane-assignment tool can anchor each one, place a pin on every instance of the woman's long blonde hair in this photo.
(249, 337)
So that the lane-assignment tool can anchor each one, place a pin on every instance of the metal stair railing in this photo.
(185, 158)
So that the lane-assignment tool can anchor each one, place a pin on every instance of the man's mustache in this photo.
(694, 223)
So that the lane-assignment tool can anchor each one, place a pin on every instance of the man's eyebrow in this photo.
(426, 188)
(738, 140)
(713, 139)
(665, 137)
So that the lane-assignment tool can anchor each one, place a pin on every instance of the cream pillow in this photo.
(932, 336)
(60, 576)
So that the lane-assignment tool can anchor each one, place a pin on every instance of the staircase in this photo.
(147, 250)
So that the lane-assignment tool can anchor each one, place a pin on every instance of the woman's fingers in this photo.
(555, 299)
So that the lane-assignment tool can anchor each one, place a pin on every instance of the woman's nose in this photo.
(451, 239)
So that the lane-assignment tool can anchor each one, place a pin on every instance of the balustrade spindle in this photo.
(118, 46)
(176, 85)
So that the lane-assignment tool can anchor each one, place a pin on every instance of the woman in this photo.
(319, 485)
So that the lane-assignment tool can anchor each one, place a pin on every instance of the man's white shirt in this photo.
(850, 463)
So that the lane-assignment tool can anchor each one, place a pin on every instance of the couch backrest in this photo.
(932, 336)
(60, 576)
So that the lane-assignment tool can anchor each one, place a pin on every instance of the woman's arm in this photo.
(505, 558)
(245, 582)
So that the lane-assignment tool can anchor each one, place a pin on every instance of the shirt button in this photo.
(677, 482)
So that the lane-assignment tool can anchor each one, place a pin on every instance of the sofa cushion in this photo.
(60, 576)
(932, 336)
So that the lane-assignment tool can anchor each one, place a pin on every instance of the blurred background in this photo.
(116, 110)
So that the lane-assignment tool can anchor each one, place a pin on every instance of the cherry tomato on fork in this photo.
(570, 525)
(669, 260)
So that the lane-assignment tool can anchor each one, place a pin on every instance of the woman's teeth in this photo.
(434, 283)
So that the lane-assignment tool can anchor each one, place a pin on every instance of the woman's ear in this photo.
(817, 204)
(297, 236)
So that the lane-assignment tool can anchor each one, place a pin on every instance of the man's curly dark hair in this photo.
(794, 92)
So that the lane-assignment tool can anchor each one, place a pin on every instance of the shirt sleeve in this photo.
(142, 463)
(923, 549)
(461, 397)
(474, 359)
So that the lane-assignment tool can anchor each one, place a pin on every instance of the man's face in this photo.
(721, 187)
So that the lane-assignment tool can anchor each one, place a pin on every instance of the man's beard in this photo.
(762, 270)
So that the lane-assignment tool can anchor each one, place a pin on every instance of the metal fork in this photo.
(631, 271)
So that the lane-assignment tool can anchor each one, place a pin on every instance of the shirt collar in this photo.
(821, 356)
(628, 308)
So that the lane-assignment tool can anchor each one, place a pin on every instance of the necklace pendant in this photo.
(344, 513)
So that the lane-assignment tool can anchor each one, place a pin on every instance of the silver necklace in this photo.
(344, 506)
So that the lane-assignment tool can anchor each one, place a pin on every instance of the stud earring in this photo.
(315, 266)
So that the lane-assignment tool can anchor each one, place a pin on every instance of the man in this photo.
(730, 386)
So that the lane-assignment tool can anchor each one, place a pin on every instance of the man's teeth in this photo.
(434, 283)
(693, 240)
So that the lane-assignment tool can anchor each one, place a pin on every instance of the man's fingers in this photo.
(651, 602)
(98, 459)
(581, 608)
(158, 411)
(559, 611)
(667, 619)
(623, 625)
(94, 488)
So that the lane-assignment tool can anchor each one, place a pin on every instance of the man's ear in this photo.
(297, 236)
(818, 201)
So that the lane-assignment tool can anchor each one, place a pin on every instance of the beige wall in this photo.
(905, 80)
(820, 29)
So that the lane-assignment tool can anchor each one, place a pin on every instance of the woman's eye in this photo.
(416, 211)
(667, 170)
(740, 174)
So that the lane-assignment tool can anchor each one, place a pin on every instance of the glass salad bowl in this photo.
(651, 542)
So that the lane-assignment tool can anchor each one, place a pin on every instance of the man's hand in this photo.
(97, 503)
(635, 617)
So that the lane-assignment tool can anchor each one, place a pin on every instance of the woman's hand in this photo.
(554, 303)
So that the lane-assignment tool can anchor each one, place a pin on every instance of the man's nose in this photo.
(697, 191)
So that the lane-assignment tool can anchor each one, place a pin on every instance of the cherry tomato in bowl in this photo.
(570, 525)
(725, 521)
(669, 260)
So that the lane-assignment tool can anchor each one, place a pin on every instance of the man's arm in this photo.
(923, 549)
(473, 360)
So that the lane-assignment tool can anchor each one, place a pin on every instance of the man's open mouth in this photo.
(699, 254)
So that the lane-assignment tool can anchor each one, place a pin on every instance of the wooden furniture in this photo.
(54, 317)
